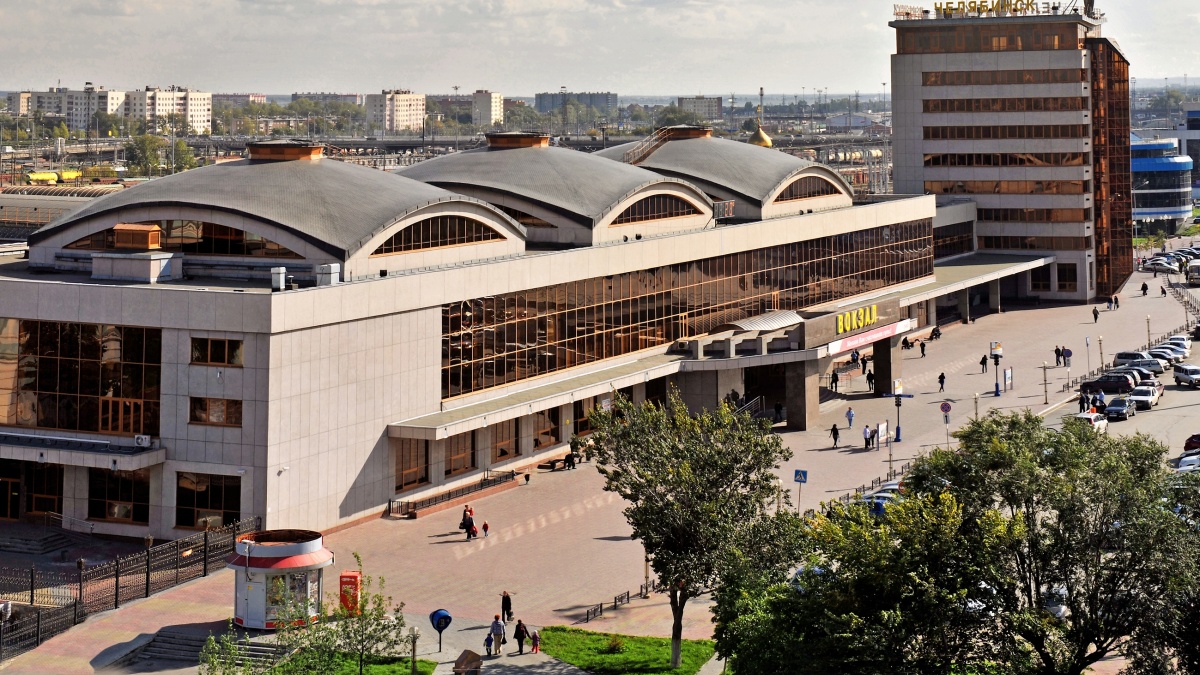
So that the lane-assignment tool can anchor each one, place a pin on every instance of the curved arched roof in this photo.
(575, 184)
(747, 170)
(333, 205)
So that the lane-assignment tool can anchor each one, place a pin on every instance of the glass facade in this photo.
(438, 232)
(953, 239)
(1008, 187)
(959, 78)
(1030, 159)
(807, 187)
(206, 501)
(1039, 279)
(120, 496)
(988, 38)
(655, 207)
(412, 463)
(1112, 169)
(505, 441)
(80, 376)
(962, 105)
(460, 453)
(195, 238)
(495, 340)
(545, 428)
(1035, 215)
(1006, 132)
(221, 412)
(216, 352)
(1018, 243)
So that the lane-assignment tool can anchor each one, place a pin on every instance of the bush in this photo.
(615, 645)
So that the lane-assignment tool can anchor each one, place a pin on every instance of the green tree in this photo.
(308, 644)
(144, 153)
(697, 488)
(524, 118)
(673, 115)
(372, 628)
(226, 654)
(184, 159)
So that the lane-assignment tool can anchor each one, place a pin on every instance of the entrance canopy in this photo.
(966, 271)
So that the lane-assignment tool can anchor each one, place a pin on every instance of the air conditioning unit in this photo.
(141, 441)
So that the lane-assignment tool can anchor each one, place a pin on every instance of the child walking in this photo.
(487, 643)
(535, 639)
(485, 529)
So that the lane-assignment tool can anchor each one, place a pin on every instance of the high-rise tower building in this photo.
(1027, 114)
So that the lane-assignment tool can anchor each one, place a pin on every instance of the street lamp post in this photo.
(1100, 342)
(899, 400)
(1147, 330)
(1045, 385)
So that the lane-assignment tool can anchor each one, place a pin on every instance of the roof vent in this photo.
(284, 151)
(518, 139)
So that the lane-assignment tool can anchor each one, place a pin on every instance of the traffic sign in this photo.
(1067, 353)
(946, 418)
(946, 407)
(801, 476)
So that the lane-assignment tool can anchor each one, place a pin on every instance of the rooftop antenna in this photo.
(760, 107)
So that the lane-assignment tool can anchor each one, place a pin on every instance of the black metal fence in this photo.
(34, 626)
(406, 508)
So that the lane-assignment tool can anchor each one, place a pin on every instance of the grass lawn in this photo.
(385, 666)
(642, 655)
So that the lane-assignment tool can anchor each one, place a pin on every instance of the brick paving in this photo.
(560, 544)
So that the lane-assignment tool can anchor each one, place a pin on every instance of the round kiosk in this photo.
(273, 566)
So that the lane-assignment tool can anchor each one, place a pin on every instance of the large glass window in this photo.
(1161, 180)
(495, 340)
(1006, 132)
(206, 501)
(545, 428)
(656, 207)
(1035, 215)
(975, 105)
(953, 239)
(195, 238)
(121, 496)
(1026, 37)
(1009, 159)
(216, 352)
(806, 188)
(1068, 277)
(44, 488)
(438, 232)
(1008, 187)
(460, 453)
(1035, 243)
(80, 376)
(960, 78)
(1039, 279)
(412, 463)
(505, 441)
(221, 412)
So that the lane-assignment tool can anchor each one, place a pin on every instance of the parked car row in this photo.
(1138, 380)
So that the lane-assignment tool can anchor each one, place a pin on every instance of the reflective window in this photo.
(1039, 279)
(80, 376)
(524, 218)
(460, 453)
(948, 39)
(1008, 187)
(490, 341)
(505, 441)
(1035, 215)
(953, 239)
(438, 232)
(412, 463)
(806, 187)
(1162, 200)
(207, 501)
(216, 352)
(1006, 132)
(192, 237)
(44, 488)
(1161, 180)
(1112, 169)
(1068, 277)
(545, 428)
(220, 412)
(1008, 159)
(989, 77)
(1013, 243)
(953, 105)
(122, 496)
(656, 207)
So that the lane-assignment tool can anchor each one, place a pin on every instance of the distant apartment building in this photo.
(1027, 115)
(1188, 134)
(704, 107)
(396, 110)
(1162, 185)
(239, 100)
(76, 107)
(18, 102)
(605, 101)
(154, 105)
(487, 108)
(328, 97)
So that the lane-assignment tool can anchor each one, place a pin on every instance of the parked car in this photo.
(1137, 377)
(1113, 383)
(1192, 443)
(1167, 354)
(1186, 350)
(1156, 383)
(1162, 266)
(1119, 409)
(1181, 339)
(1186, 373)
(1144, 398)
(1095, 420)
(1188, 464)
(1155, 366)
(1125, 358)
(877, 502)
(1142, 373)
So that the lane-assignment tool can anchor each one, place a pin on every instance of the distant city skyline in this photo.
(516, 47)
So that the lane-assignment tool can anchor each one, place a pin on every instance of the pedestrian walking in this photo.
(942, 382)
(983, 362)
(498, 638)
(862, 363)
(488, 641)
(506, 606)
(1145, 289)
(870, 379)
(1095, 315)
(520, 634)
(854, 357)
(469, 523)
(849, 418)
(1058, 355)
(922, 349)
(866, 437)
(1116, 302)
(1083, 402)
(535, 641)
(833, 433)
(778, 412)
(485, 529)
(833, 381)
(1109, 304)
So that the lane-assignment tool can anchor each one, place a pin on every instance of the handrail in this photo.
(643, 148)
(751, 407)
(49, 518)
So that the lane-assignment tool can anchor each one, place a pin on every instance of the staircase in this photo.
(169, 645)
(646, 146)
(34, 543)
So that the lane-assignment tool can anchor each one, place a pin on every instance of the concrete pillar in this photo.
(566, 423)
(483, 447)
(994, 295)
(802, 381)
(639, 393)
(931, 311)
(704, 390)
(525, 435)
(964, 304)
(437, 462)
(885, 362)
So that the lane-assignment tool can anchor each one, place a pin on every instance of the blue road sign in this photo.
(801, 476)
(1068, 353)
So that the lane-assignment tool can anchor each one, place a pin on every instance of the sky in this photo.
(516, 47)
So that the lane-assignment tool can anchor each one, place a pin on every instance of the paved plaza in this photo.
(560, 543)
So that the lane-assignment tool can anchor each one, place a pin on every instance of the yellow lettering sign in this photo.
(857, 318)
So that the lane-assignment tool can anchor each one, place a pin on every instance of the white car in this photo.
(1188, 464)
(1096, 420)
(1167, 354)
(1144, 397)
(1180, 344)
(1182, 339)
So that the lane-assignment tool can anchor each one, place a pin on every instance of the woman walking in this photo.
(506, 606)
(520, 633)
(498, 638)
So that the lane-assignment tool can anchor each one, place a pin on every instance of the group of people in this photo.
(1095, 401)
(1062, 356)
(467, 524)
(497, 636)
(1114, 301)
(870, 436)
(1146, 289)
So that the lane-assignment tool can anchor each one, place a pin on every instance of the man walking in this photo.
(942, 382)
(833, 433)
(983, 362)
(1096, 313)
(849, 418)
(922, 349)
(1083, 402)
(1116, 302)
(833, 381)
(1058, 355)
(866, 437)
(870, 380)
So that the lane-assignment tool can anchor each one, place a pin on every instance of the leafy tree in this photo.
(374, 627)
(144, 153)
(184, 159)
(1096, 529)
(697, 487)
(750, 125)
(227, 655)
(308, 643)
